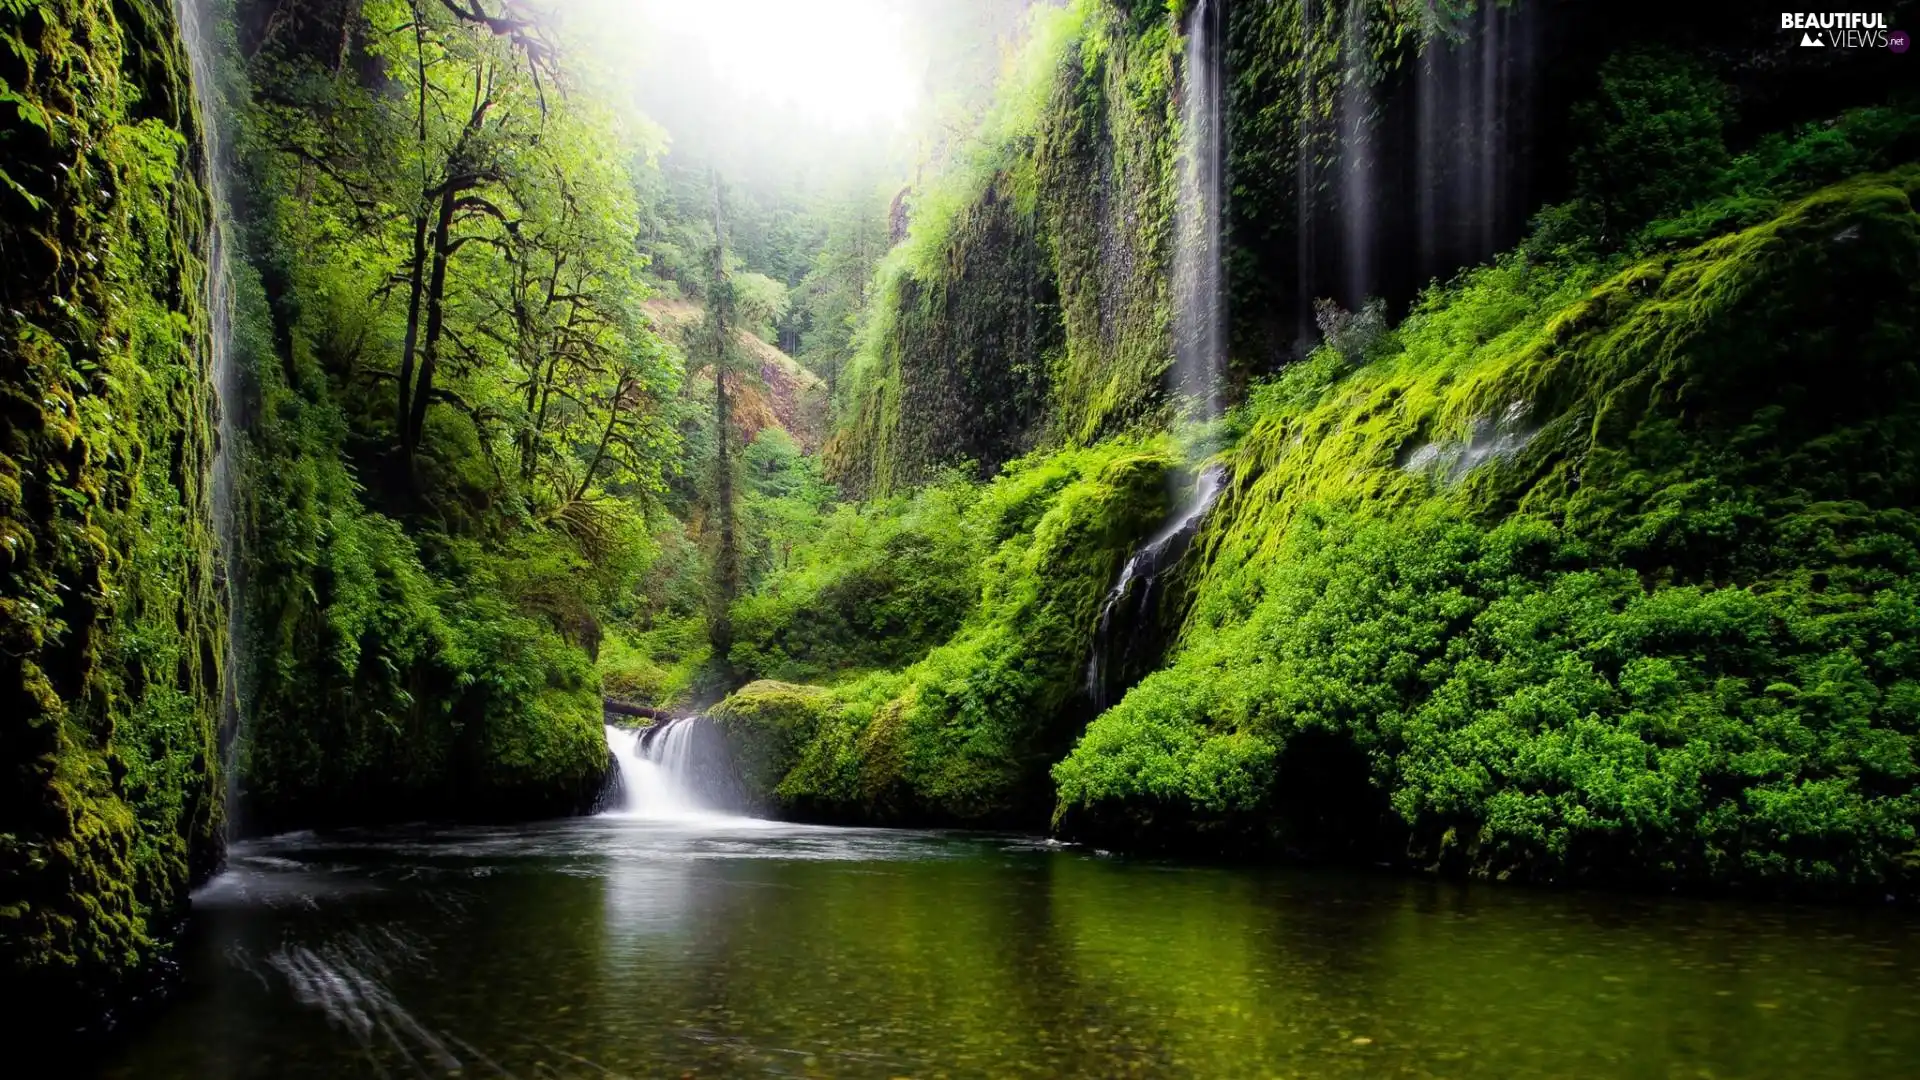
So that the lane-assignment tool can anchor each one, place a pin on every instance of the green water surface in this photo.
(627, 948)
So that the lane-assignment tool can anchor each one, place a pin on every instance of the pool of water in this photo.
(709, 946)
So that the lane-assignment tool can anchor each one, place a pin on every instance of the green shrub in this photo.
(1652, 140)
(876, 587)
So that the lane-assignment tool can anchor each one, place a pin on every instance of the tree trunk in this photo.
(726, 568)
(418, 277)
(436, 320)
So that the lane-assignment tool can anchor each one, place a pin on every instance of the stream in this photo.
(661, 939)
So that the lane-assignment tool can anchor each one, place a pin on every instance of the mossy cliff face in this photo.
(1578, 578)
(960, 371)
(110, 612)
(1029, 305)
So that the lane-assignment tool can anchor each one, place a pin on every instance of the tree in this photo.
(834, 293)
(722, 355)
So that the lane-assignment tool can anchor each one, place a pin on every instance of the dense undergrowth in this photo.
(965, 731)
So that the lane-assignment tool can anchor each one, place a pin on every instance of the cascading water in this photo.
(1472, 89)
(672, 771)
(1407, 167)
(1127, 639)
(1356, 151)
(1200, 325)
(202, 51)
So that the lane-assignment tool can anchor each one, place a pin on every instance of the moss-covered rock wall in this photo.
(1029, 307)
(111, 614)
(961, 371)
(1603, 578)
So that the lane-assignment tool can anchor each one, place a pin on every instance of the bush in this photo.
(1652, 140)
(876, 587)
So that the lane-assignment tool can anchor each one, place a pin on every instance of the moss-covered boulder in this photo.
(111, 619)
(766, 724)
(966, 733)
(1589, 575)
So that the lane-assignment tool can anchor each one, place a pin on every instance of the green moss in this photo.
(966, 732)
(1029, 305)
(1105, 169)
(1664, 635)
(110, 612)
(766, 725)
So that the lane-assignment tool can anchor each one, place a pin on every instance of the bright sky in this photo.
(842, 62)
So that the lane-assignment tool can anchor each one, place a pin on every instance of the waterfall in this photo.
(1356, 105)
(1128, 637)
(195, 23)
(1472, 90)
(675, 770)
(1413, 148)
(1199, 311)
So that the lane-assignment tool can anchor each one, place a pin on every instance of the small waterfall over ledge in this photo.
(676, 770)
(1129, 637)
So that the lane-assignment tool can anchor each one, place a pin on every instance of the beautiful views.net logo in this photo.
(1842, 29)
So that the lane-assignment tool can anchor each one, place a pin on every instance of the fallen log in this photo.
(627, 708)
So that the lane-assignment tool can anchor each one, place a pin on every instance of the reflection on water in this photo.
(722, 947)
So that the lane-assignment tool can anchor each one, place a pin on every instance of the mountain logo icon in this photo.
(1808, 40)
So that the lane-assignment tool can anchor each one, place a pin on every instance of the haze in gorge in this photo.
(959, 538)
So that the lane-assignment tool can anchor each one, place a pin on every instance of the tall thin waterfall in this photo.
(1129, 637)
(1472, 87)
(1412, 148)
(1356, 106)
(675, 770)
(1200, 324)
(196, 23)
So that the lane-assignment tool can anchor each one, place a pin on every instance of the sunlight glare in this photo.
(840, 62)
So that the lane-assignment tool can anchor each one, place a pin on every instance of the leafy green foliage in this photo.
(874, 586)
(1652, 139)
(1661, 634)
(428, 579)
(965, 731)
